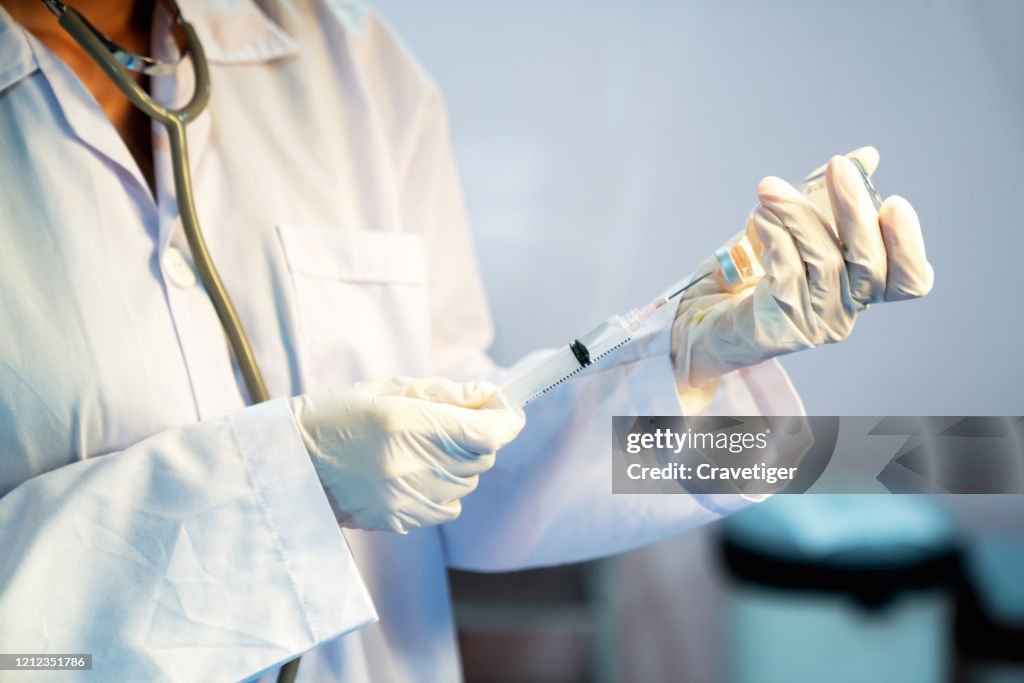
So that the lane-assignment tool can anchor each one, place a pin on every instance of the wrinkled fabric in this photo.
(149, 517)
(182, 557)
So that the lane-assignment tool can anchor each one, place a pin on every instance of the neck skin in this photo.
(122, 21)
(128, 24)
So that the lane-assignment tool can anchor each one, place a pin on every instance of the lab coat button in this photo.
(177, 269)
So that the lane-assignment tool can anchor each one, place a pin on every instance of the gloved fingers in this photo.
(421, 512)
(445, 512)
(476, 394)
(423, 499)
(785, 271)
(480, 431)
(410, 387)
(859, 234)
(444, 390)
(441, 484)
(867, 156)
(450, 461)
(402, 385)
(458, 488)
(818, 246)
(909, 274)
(382, 386)
(811, 230)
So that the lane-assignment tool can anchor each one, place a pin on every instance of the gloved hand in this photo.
(824, 266)
(400, 453)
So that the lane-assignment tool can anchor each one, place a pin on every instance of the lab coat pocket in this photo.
(361, 304)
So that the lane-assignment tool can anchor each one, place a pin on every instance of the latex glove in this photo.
(400, 453)
(824, 265)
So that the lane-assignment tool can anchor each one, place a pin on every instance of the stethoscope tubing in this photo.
(174, 121)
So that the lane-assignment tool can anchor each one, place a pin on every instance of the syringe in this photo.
(562, 364)
(738, 267)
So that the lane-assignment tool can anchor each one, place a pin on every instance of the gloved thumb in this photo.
(480, 430)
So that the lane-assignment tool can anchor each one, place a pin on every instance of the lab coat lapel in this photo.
(84, 116)
(16, 58)
(21, 53)
(231, 32)
(237, 31)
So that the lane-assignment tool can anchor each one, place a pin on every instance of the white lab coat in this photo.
(148, 517)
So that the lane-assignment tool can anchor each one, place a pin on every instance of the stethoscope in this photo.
(117, 62)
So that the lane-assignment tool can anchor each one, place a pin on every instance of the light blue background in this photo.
(606, 148)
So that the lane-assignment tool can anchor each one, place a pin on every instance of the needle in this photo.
(685, 287)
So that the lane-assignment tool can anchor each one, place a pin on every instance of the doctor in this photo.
(152, 519)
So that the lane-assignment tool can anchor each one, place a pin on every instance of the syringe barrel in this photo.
(527, 384)
(738, 261)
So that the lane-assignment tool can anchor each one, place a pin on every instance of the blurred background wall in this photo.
(607, 147)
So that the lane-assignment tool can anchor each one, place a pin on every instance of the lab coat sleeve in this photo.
(548, 499)
(207, 552)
